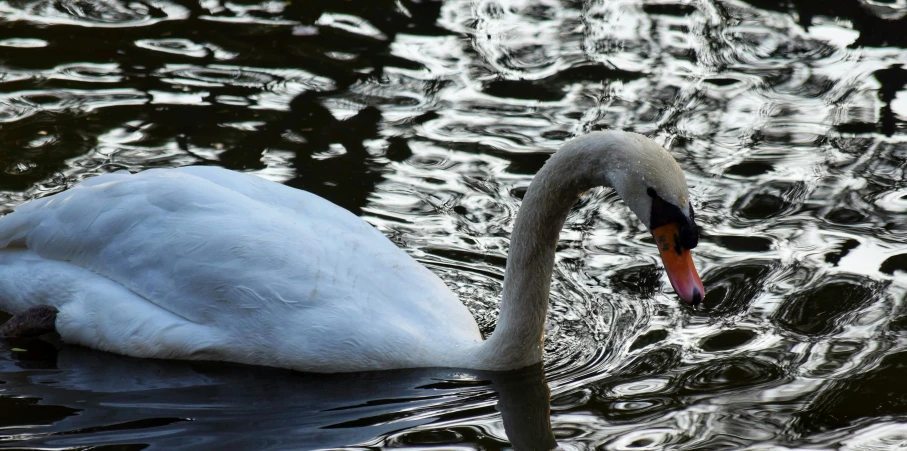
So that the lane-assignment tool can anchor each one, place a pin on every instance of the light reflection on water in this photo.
(428, 119)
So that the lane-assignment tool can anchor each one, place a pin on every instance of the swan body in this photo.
(206, 263)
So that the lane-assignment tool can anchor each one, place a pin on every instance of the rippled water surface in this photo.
(428, 119)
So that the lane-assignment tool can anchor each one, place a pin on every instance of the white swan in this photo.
(205, 263)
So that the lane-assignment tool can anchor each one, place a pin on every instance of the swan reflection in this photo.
(85, 397)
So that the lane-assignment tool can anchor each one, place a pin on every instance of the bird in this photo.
(204, 263)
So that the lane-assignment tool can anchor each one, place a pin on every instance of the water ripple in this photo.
(17, 106)
(93, 14)
(429, 120)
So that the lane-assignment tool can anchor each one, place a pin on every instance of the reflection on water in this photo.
(82, 397)
(428, 119)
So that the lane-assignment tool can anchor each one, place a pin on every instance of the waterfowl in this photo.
(210, 264)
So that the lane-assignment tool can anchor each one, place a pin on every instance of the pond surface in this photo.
(428, 119)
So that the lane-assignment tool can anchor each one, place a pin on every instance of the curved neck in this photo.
(630, 163)
(518, 338)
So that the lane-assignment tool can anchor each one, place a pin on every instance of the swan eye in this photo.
(664, 213)
(689, 233)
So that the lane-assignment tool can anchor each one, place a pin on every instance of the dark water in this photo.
(428, 119)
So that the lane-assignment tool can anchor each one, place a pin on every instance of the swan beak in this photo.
(679, 264)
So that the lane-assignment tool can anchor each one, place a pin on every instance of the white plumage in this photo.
(205, 263)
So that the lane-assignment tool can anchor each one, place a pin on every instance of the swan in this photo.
(203, 263)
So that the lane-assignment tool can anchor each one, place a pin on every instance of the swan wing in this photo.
(242, 254)
(97, 312)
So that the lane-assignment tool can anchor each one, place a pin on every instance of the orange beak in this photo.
(679, 264)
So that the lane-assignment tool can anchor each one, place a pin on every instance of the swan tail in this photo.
(97, 312)
(34, 321)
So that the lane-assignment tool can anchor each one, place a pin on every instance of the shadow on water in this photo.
(83, 397)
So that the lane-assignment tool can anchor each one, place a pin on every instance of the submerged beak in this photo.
(679, 264)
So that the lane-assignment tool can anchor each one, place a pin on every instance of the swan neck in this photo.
(518, 338)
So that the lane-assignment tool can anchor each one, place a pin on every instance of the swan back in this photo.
(291, 279)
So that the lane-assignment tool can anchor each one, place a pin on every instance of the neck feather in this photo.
(518, 338)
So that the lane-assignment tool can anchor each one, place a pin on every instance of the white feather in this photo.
(205, 263)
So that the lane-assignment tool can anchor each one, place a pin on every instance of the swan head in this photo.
(653, 185)
(676, 233)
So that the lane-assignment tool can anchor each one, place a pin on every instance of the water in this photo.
(428, 119)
